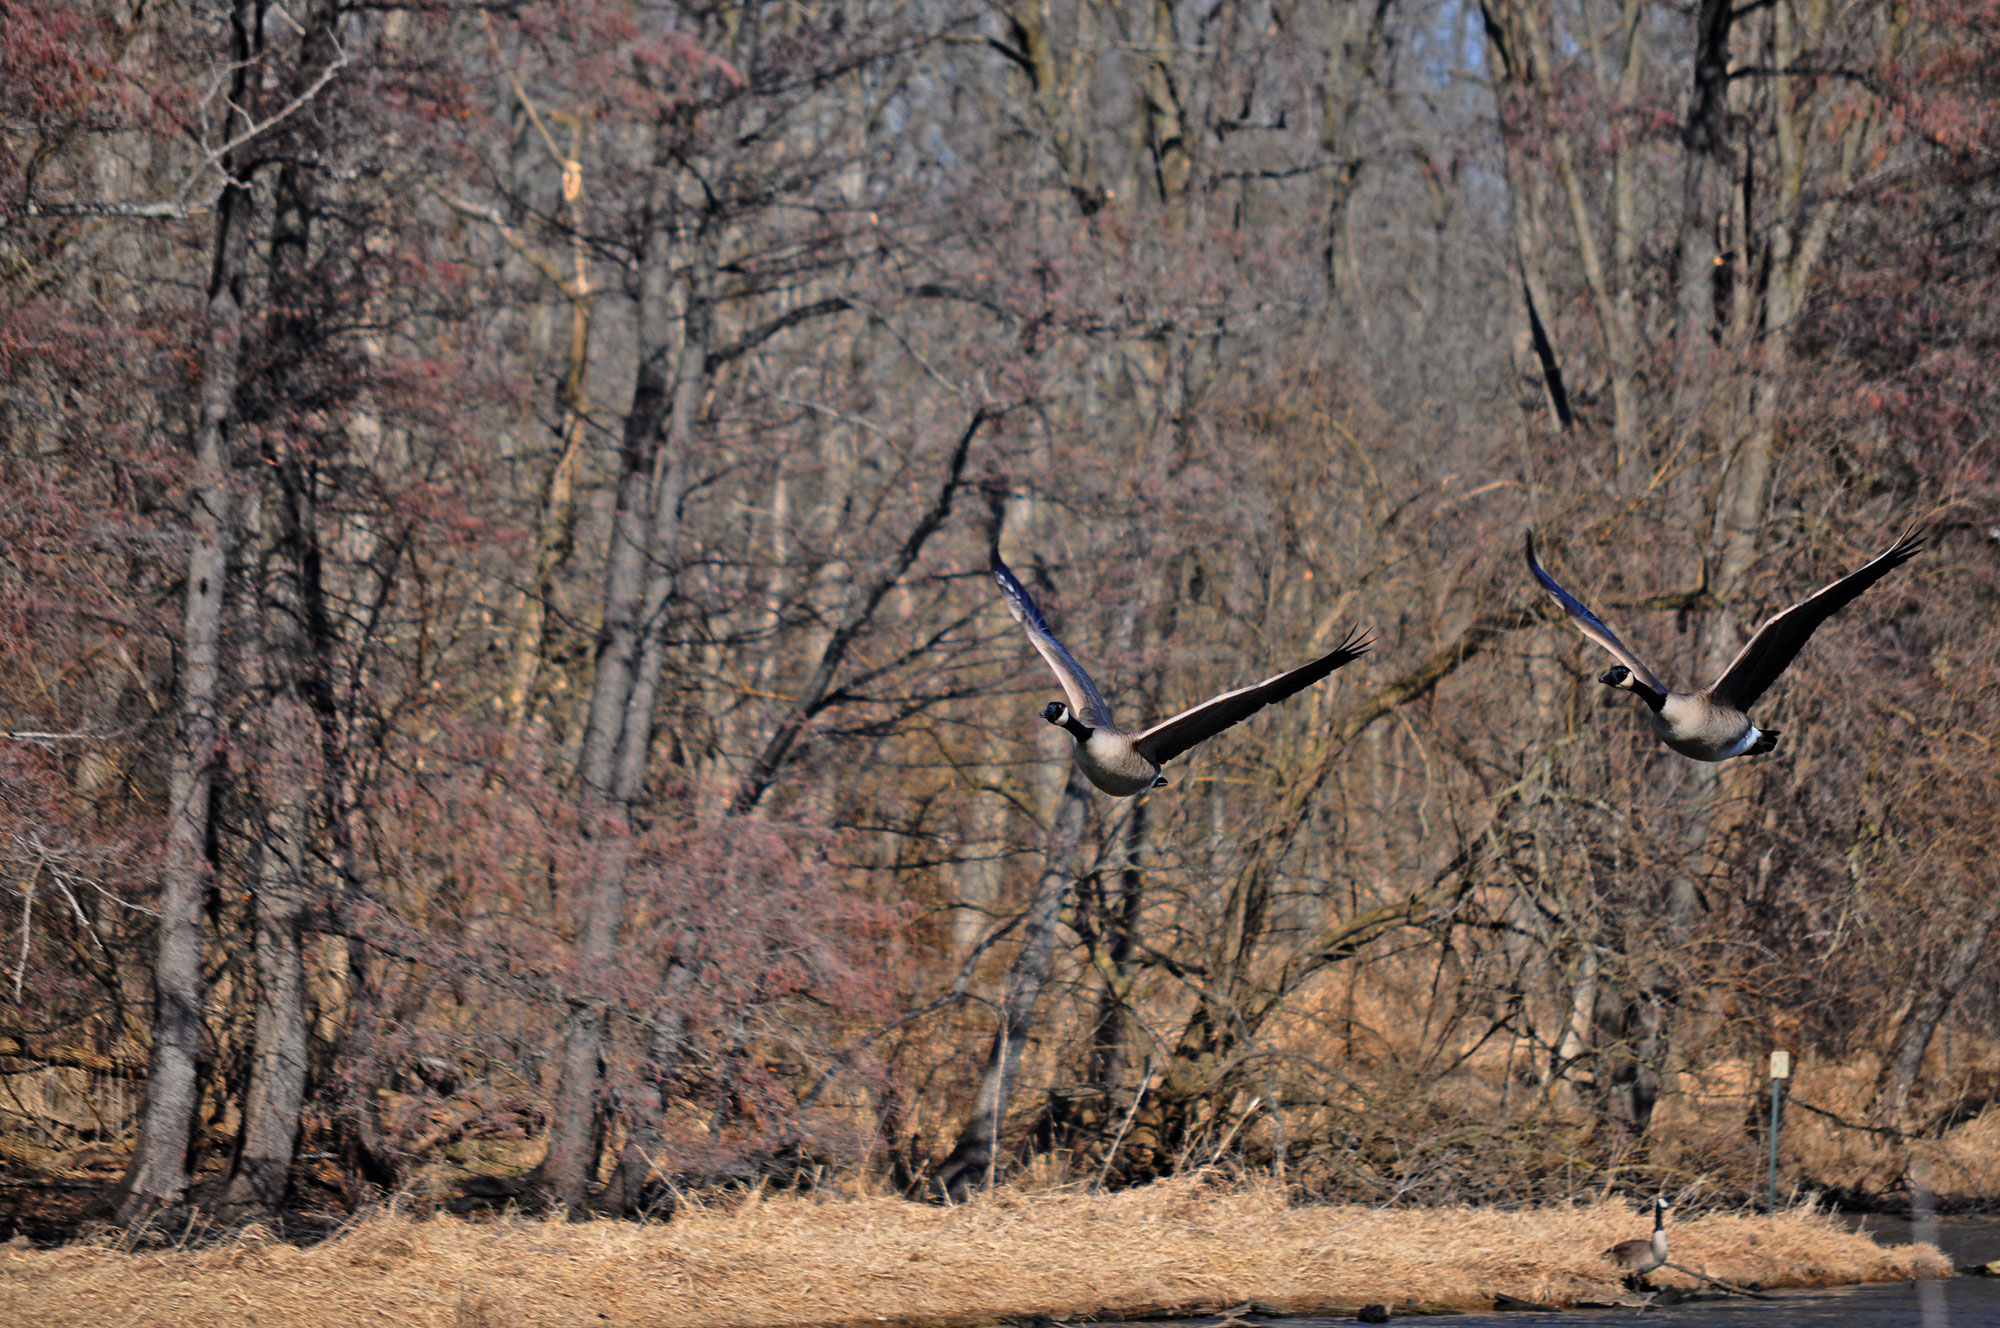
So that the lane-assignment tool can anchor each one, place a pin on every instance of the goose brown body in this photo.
(1636, 1258)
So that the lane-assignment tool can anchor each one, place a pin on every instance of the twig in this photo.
(177, 207)
(285, 112)
(1230, 1133)
(1730, 1287)
(1145, 1082)
(1846, 1124)
(574, 290)
(27, 921)
(999, 1098)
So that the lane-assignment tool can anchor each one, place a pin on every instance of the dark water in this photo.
(1962, 1302)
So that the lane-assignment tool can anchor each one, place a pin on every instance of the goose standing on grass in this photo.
(1711, 724)
(1123, 763)
(1636, 1258)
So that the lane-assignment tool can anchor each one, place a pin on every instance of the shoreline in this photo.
(1176, 1248)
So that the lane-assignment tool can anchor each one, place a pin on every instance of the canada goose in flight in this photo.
(1122, 763)
(1710, 725)
(1636, 1258)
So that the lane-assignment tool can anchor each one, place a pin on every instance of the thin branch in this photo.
(812, 697)
(284, 113)
(159, 209)
(178, 208)
(757, 336)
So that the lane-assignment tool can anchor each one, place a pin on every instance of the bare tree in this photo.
(158, 1175)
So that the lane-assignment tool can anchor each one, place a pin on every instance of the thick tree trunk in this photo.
(1170, 145)
(313, 659)
(294, 640)
(1056, 74)
(1704, 185)
(157, 1176)
(1519, 37)
(271, 1107)
(616, 747)
(158, 1171)
(1508, 52)
(618, 732)
(1347, 84)
(971, 1163)
(645, 1109)
(1579, 1035)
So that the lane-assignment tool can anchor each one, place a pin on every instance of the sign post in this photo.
(1781, 1070)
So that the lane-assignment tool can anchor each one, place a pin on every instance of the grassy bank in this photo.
(795, 1261)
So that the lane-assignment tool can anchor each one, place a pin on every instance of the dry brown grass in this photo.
(1178, 1245)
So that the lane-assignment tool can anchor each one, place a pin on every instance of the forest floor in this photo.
(1177, 1246)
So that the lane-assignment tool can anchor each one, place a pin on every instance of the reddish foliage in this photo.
(478, 854)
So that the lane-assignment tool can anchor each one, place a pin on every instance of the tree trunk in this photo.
(1705, 139)
(1110, 1044)
(1056, 73)
(294, 642)
(1347, 83)
(271, 1107)
(1579, 1035)
(556, 510)
(1912, 1038)
(646, 1109)
(971, 1163)
(618, 731)
(1518, 34)
(157, 1176)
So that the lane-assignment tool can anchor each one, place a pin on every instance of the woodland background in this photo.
(502, 696)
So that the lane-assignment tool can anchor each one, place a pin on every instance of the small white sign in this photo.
(1781, 1065)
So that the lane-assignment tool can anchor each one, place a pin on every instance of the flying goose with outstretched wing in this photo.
(1123, 763)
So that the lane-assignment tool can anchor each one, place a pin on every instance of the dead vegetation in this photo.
(1184, 1245)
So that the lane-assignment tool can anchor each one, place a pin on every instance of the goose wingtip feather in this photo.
(1019, 603)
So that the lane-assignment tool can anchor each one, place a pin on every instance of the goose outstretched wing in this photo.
(1169, 738)
(1768, 653)
(1084, 702)
(1588, 623)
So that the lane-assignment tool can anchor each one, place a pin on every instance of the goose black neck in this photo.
(1653, 699)
(1659, 1217)
(1076, 728)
